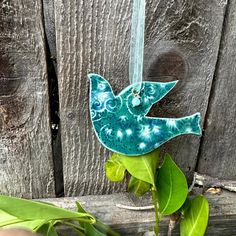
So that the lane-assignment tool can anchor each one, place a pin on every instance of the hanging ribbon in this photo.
(137, 45)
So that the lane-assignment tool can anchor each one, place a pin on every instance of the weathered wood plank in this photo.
(208, 181)
(217, 157)
(26, 167)
(49, 21)
(182, 41)
(222, 219)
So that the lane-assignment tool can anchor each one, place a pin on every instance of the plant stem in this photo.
(155, 202)
(76, 226)
(106, 229)
(174, 219)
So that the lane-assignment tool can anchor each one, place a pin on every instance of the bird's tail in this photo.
(195, 123)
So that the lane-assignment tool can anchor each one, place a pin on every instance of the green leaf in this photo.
(31, 224)
(115, 171)
(6, 218)
(138, 187)
(195, 219)
(142, 167)
(185, 206)
(80, 208)
(32, 210)
(172, 187)
(47, 230)
(78, 232)
(90, 230)
(9, 221)
(99, 226)
(75, 225)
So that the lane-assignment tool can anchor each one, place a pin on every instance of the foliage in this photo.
(43, 217)
(195, 217)
(168, 186)
(172, 187)
(138, 187)
(166, 182)
(115, 171)
(141, 167)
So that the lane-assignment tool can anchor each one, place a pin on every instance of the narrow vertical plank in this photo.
(182, 41)
(218, 152)
(26, 168)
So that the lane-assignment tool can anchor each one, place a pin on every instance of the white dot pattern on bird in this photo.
(124, 128)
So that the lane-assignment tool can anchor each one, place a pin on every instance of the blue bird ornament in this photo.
(121, 122)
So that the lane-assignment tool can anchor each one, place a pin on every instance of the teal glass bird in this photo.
(121, 122)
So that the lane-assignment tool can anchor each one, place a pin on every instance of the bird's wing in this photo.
(151, 92)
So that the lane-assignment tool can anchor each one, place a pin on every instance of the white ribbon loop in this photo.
(137, 45)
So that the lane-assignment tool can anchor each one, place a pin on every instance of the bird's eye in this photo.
(151, 90)
(101, 87)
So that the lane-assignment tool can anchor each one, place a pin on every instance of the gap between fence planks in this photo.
(26, 168)
(182, 42)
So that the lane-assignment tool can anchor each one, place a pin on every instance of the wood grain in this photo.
(222, 214)
(208, 182)
(217, 157)
(26, 168)
(182, 42)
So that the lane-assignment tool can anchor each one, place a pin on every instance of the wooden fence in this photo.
(194, 41)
